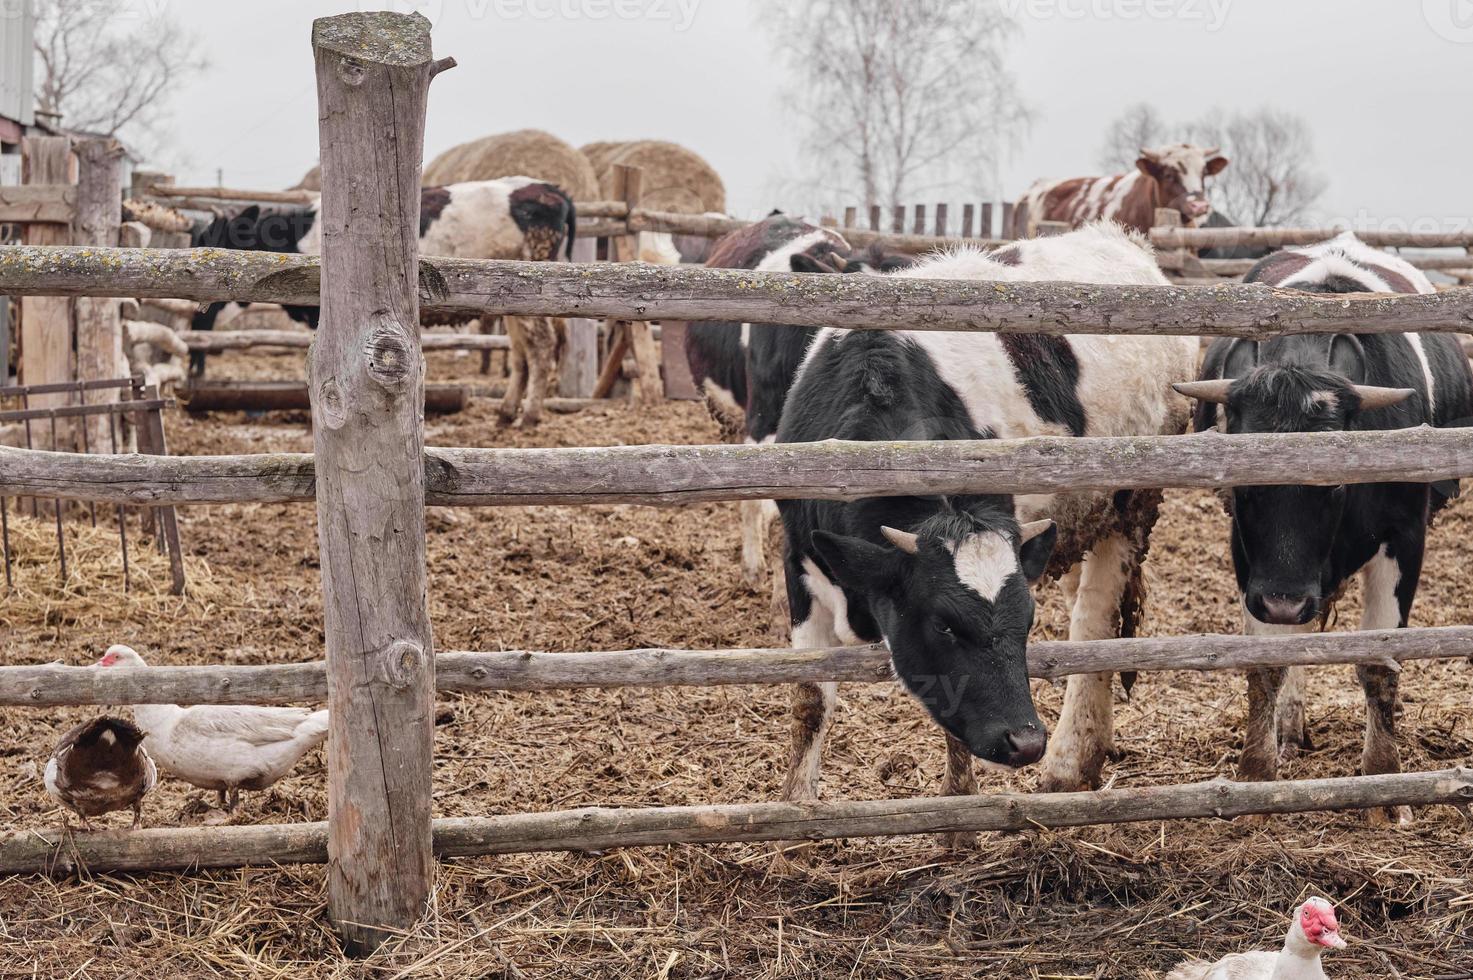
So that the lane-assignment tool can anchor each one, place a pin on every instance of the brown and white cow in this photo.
(1173, 177)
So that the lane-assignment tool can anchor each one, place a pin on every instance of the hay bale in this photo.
(675, 178)
(526, 152)
(598, 153)
(311, 181)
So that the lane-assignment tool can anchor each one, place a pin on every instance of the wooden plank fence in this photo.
(373, 73)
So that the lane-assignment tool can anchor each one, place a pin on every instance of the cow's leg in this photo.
(813, 704)
(541, 351)
(1275, 701)
(516, 359)
(1086, 731)
(754, 535)
(1388, 586)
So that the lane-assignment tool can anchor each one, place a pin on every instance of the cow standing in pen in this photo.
(1295, 547)
(1171, 177)
(943, 581)
(509, 218)
(718, 354)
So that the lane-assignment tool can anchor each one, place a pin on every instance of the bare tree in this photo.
(107, 66)
(1138, 127)
(1271, 179)
(899, 96)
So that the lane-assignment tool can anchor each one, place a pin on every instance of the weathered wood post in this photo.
(46, 321)
(367, 389)
(579, 370)
(99, 325)
(969, 218)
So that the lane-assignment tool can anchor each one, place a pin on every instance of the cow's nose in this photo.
(1285, 610)
(1025, 746)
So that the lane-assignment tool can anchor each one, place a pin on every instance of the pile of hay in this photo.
(311, 181)
(526, 153)
(675, 178)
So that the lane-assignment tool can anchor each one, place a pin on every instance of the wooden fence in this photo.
(373, 73)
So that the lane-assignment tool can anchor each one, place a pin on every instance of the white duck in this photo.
(1313, 931)
(226, 748)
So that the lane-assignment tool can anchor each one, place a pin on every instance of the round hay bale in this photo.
(311, 181)
(598, 154)
(524, 153)
(675, 178)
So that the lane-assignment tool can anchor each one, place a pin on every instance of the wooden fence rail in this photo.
(1288, 237)
(593, 829)
(641, 292)
(834, 470)
(213, 342)
(51, 685)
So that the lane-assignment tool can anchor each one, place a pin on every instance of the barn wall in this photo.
(17, 31)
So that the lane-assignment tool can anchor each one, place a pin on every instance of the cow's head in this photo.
(953, 603)
(828, 257)
(1282, 536)
(1181, 173)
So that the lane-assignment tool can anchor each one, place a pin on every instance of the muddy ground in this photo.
(1097, 902)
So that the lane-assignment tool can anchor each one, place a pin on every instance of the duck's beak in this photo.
(1332, 940)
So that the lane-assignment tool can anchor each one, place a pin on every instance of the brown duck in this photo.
(99, 767)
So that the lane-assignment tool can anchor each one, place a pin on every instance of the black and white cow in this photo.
(508, 218)
(943, 581)
(718, 353)
(1295, 547)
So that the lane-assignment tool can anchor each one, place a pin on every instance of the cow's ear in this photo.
(251, 214)
(1215, 165)
(858, 565)
(1348, 357)
(1037, 548)
(1149, 164)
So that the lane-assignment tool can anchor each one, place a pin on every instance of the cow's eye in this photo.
(942, 628)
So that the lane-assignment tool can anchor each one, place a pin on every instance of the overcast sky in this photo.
(1383, 84)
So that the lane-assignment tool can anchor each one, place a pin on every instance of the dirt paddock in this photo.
(1098, 902)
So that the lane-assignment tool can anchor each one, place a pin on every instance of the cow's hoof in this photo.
(1067, 783)
(753, 578)
(504, 420)
(1392, 816)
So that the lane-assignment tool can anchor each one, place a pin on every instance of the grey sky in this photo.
(1384, 84)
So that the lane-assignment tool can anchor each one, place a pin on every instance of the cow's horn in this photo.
(1215, 151)
(1206, 391)
(1372, 397)
(1027, 532)
(903, 540)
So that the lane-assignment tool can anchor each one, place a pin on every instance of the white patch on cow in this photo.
(832, 599)
(1345, 247)
(781, 259)
(1316, 400)
(658, 248)
(984, 562)
(746, 336)
(1379, 579)
(477, 223)
(1416, 341)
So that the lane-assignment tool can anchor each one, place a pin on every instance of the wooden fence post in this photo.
(969, 217)
(366, 376)
(920, 220)
(874, 217)
(941, 223)
(579, 369)
(1008, 231)
(46, 321)
(984, 222)
(851, 215)
(645, 388)
(99, 325)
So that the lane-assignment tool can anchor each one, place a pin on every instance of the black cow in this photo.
(251, 231)
(943, 581)
(1295, 547)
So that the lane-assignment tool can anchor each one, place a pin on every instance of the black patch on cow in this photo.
(546, 217)
(746, 247)
(432, 202)
(1011, 255)
(1048, 372)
